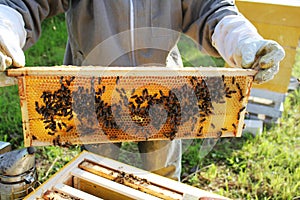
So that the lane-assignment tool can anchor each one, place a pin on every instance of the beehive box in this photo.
(81, 105)
(93, 177)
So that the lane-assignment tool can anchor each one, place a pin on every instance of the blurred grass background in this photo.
(263, 167)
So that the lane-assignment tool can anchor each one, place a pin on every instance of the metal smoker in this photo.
(18, 176)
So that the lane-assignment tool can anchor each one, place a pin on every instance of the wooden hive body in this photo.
(81, 105)
(93, 177)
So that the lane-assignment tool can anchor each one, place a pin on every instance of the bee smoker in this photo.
(18, 176)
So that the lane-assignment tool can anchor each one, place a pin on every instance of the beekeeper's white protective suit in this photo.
(136, 33)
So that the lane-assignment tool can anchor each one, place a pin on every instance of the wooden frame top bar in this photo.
(127, 71)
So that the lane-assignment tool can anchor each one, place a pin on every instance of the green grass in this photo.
(50, 48)
(192, 57)
(262, 167)
(10, 116)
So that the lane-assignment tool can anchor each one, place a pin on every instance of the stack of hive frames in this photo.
(93, 177)
(81, 105)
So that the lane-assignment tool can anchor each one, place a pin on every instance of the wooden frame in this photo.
(67, 105)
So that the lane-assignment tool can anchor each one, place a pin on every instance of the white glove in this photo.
(12, 38)
(239, 43)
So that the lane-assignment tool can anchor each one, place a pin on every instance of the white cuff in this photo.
(12, 23)
(228, 35)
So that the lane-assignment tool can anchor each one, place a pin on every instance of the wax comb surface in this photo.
(82, 105)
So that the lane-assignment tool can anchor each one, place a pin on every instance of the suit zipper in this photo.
(132, 31)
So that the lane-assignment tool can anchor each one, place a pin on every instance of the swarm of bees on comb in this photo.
(69, 109)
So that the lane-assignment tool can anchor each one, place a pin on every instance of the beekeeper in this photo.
(137, 33)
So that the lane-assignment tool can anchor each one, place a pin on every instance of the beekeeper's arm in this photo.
(220, 29)
(239, 43)
(20, 26)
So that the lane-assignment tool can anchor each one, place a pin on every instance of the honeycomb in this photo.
(82, 105)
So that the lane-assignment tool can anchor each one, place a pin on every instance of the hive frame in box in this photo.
(81, 105)
(66, 181)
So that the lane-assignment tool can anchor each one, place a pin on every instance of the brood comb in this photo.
(80, 105)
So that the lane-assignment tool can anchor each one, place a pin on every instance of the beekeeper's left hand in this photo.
(238, 42)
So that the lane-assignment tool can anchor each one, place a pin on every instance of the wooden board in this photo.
(77, 182)
(81, 105)
(265, 103)
(275, 12)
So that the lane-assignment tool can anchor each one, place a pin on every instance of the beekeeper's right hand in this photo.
(239, 43)
(12, 38)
